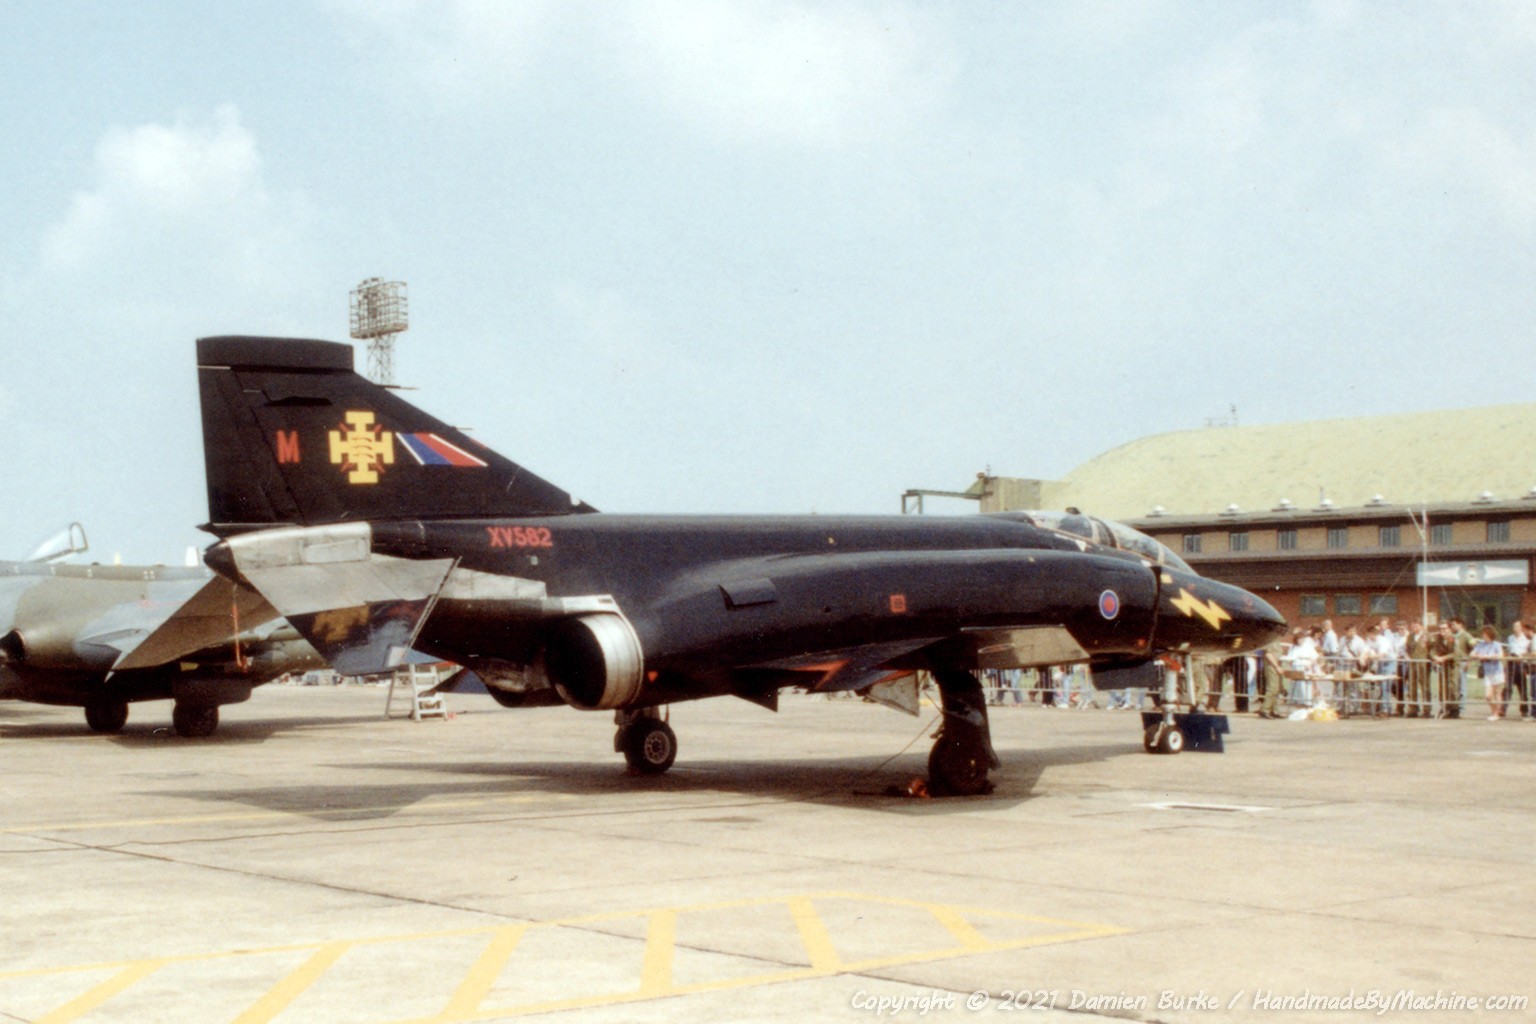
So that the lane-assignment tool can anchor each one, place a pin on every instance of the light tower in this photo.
(378, 315)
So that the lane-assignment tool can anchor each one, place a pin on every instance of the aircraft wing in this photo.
(1024, 646)
(852, 668)
(362, 614)
(216, 613)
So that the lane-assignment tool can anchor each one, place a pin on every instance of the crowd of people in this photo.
(1411, 671)
(1385, 669)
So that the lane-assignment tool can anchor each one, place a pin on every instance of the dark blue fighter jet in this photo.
(375, 528)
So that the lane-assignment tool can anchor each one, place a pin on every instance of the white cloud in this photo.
(781, 72)
(456, 49)
(770, 72)
(178, 205)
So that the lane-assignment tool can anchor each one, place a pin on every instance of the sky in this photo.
(692, 257)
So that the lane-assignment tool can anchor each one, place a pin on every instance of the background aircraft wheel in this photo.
(1149, 738)
(1172, 741)
(650, 746)
(958, 767)
(195, 721)
(106, 716)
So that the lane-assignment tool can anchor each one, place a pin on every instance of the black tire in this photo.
(506, 698)
(106, 716)
(650, 746)
(1149, 739)
(957, 768)
(194, 721)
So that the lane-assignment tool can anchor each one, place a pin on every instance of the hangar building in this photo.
(1429, 513)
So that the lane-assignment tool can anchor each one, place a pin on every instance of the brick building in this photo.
(1395, 516)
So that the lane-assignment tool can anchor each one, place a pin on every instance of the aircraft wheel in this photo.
(106, 716)
(195, 721)
(505, 698)
(1149, 738)
(957, 767)
(1172, 741)
(650, 746)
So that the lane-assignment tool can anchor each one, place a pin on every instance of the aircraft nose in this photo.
(1197, 614)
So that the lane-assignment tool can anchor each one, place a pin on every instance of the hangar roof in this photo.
(1451, 455)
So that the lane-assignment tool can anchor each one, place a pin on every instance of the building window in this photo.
(1237, 541)
(1391, 536)
(1338, 536)
(1498, 533)
(1346, 604)
(1383, 604)
(1285, 540)
(1440, 533)
(1314, 604)
(1192, 543)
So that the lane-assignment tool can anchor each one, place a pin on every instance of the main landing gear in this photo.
(195, 721)
(962, 754)
(646, 740)
(106, 716)
(191, 721)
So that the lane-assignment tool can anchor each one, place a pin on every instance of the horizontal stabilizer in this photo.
(211, 617)
(359, 610)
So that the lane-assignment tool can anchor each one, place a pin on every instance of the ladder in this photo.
(414, 685)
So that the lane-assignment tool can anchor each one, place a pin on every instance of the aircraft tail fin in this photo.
(291, 435)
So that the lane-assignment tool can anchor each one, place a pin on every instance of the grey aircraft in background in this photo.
(101, 637)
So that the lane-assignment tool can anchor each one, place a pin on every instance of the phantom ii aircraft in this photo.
(103, 636)
(375, 528)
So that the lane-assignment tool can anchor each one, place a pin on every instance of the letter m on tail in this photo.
(287, 444)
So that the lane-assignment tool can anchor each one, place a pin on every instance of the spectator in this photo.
(1489, 653)
(1384, 664)
(1303, 658)
(1517, 672)
(1461, 660)
(1329, 644)
(1442, 658)
(1416, 693)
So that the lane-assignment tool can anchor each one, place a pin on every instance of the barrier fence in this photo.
(1412, 688)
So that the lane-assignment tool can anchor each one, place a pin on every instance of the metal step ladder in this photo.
(413, 685)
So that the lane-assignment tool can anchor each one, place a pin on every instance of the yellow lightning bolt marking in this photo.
(1213, 613)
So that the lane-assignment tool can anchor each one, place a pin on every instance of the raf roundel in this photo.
(1109, 604)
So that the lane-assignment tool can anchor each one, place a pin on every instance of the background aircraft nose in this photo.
(1197, 614)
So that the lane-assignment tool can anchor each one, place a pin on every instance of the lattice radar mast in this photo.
(379, 315)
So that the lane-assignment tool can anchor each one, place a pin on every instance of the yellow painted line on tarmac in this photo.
(280, 996)
(324, 814)
(660, 943)
(955, 923)
(131, 974)
(655, 967)
(813, 934)
(482, 976)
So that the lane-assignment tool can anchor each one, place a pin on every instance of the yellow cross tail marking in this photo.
(1212, 613)
(362, 448)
